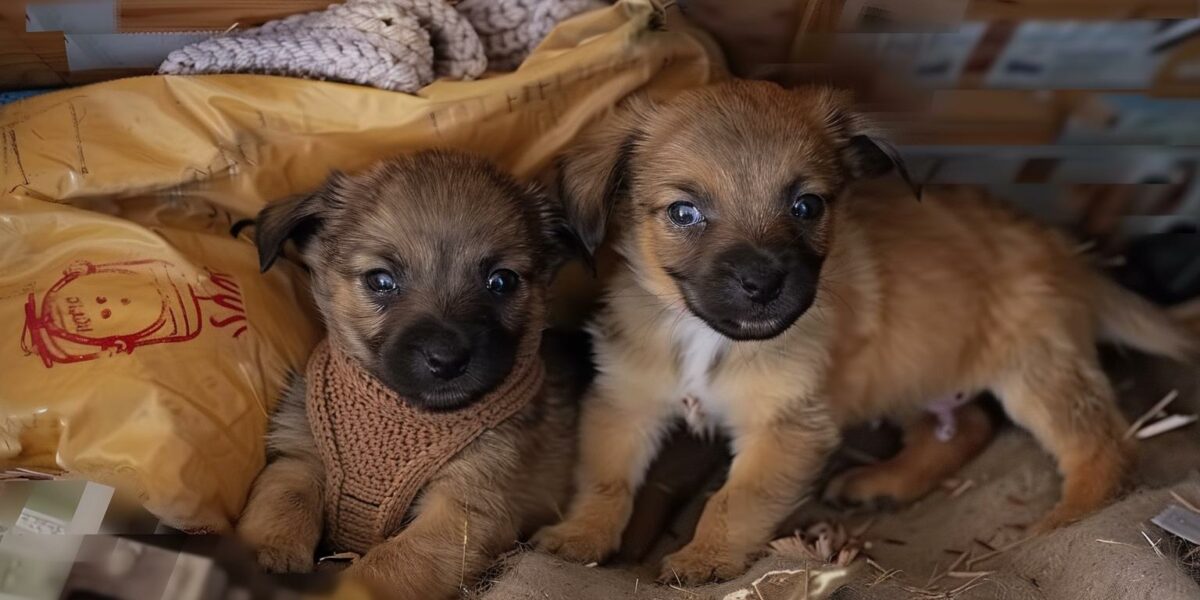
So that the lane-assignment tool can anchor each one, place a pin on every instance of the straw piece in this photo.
(962, 488)
(1153, 545)
(1184, 502)
(971, 563)
(1164, 425)
(954, 565)
(1142, 420)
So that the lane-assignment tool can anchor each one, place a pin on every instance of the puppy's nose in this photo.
(447, 360)
(761, 285)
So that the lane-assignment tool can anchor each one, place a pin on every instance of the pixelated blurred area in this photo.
(78, 540)
(1084, 114)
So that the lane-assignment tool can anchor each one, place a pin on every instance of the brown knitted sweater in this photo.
(379, 451)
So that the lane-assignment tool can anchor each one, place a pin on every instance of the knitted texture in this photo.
(379, 451)
(511, 29)
(399, 45)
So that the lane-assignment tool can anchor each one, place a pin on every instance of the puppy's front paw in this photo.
(696, 564)
(578, 541)
(277, 549)
(408, 568)
(284, 559)
(867, 487)
(281, 555)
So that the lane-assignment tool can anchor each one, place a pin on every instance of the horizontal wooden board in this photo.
(203, 15)
(1082, 9)
(30, 60)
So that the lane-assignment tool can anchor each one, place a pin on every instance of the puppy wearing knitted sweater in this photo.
(425, 433)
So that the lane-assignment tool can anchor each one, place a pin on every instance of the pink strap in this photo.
(943, 408)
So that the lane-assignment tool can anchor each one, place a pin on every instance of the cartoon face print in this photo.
(140, 309)
(97, 310)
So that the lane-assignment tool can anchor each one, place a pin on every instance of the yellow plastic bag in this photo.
(132, 321)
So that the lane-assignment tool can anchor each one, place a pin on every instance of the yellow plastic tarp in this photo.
(131, 323)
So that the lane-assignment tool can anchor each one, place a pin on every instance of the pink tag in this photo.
(943, 408)
(693, 415)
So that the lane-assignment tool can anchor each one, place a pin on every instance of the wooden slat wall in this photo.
(1082, 9)
(12, 13)
(30, 60)
(20, 68)
(206, 15)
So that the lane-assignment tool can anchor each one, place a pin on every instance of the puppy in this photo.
(763, 295)
(430, 272)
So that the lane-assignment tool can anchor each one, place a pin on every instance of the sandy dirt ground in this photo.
(965, 541)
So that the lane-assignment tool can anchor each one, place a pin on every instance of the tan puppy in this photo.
(764, 296)
(436, 255)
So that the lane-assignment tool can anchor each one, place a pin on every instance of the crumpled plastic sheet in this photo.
(139, 345)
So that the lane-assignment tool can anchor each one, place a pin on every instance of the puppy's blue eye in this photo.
(502, 281)
(808, 206)
(684, 214)
(380, 281)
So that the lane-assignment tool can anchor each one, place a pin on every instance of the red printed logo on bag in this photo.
(143, 302)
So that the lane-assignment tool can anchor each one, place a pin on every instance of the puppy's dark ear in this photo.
(560, 241)
(593, 175)
(874, 157)
(295, 218)
(865, 154)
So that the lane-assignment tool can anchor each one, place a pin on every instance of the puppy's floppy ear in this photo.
(560, 242)
(296, 218)
(875, 157)
(864, 154)
(593, 175)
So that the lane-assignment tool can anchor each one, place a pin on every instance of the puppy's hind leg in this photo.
(1068, 404)
(283, 516)
(919, 467)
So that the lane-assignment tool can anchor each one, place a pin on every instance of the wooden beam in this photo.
(1081, 9)
(206, 15)
(30, 60)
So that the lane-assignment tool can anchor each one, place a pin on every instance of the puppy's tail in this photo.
(1130, 319)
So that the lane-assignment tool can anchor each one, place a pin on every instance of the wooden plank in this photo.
(1016, 10)
(12, 16)
(751, 34)
(206, 15)
(817, 16)
(22, 69)
(50, 47)
(30, 60)
(978, 117)
(1081, 9)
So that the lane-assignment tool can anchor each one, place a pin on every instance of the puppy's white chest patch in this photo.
(699, 349)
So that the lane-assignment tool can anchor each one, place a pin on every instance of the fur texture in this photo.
(440, 223)
(913, 301)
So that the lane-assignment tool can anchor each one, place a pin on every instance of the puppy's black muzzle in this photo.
(443, 365)
(752, 293)
(757, 276)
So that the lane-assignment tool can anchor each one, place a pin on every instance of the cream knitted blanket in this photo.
(399, 45)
